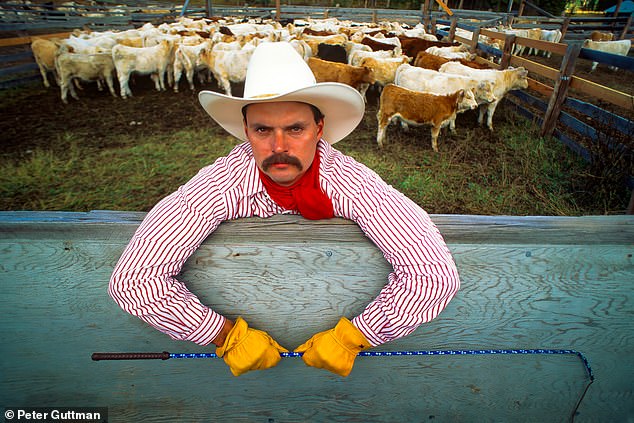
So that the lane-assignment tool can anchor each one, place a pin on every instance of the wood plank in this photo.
(519, 292)
(560, 90)
(105, 225)
(610, 95)
(538, 68)
(623, 125)
(622, 62)
(6, 42)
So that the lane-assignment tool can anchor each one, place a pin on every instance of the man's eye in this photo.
(261, 130)
(297, 129)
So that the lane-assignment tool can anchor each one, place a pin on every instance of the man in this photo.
(286, 164)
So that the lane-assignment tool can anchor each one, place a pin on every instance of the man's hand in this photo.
(334, 349)
(245, 349)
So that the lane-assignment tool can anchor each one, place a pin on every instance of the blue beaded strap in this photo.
(429, 352)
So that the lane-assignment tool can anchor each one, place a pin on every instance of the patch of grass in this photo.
(510, 171)
(133, 176)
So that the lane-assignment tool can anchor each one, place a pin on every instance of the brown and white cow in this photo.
(416, 108)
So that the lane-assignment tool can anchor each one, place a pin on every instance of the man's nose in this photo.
(279, 141)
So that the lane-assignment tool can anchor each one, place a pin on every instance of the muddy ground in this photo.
(35, 115)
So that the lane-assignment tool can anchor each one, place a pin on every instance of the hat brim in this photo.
(342, 106)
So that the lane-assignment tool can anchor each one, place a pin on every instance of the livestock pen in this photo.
(536, 290)
(564, 103)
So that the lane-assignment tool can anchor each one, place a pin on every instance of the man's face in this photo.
(283, 136)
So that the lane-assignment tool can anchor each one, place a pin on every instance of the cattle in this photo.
(601, 36)
(302, 48)
(416, 108)
(503, 81)
(356, 57)
(228, 66)
(433, 62)
(383, 69)
(552, 36)
(85, 67)
(143, 60)
(434, 82)
(411, 46)
(332, 52)
(453, 52)
(620, 47)
(96, 44)
(380, 45)
(314, 40)
(44, 52)
(357, 77)
(189, 59)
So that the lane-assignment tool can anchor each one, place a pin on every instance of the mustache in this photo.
(281, 158)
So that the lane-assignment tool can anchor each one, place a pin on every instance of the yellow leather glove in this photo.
(334, 349)
(247, 349)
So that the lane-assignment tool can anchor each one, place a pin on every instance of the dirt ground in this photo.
(35, 115)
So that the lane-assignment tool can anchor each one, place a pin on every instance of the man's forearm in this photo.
(220, 339)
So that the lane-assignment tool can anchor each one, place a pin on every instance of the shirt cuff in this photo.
(373, 337)
(209, 328)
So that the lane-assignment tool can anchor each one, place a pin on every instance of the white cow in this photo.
(451, 52)
(144, 60)
(85, 67)
(228, 65)
(434, 82)
(189, 59)
(620, 47)
(503, 82)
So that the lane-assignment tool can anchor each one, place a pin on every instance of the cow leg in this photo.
(481, 112)
(157, 81)
(363, 89)
(71, 87)
(383, 123)
(435, 130)
(594, 66)
(226, 85)
(110, 82)
(190, 78)
(63, 88)
(490, 111)
(43, 73)
(123, 84)
(452, 124)
(178, 71)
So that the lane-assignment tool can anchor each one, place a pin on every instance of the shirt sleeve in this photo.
(143, 282)
(424, 277)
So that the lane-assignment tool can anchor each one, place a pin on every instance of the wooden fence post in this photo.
(560, 90)
(521, 8)
(208, 8)
(509, 44)
(426, 17)
(626, 29)
(564, 27)
(452, 28)
(474, 40)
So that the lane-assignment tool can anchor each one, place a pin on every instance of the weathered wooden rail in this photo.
(527, 282)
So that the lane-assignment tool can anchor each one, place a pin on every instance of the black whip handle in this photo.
(131, 356)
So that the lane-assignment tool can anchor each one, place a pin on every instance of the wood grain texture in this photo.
(527, 282)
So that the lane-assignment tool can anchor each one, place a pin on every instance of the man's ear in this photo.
(320, 125)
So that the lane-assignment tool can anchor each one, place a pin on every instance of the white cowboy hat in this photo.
(276, 72)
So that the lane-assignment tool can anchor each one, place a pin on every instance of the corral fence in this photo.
(555, 110)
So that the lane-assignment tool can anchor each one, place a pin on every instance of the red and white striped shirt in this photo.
(144, 281)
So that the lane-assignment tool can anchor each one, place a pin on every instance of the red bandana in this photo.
(304, 196)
